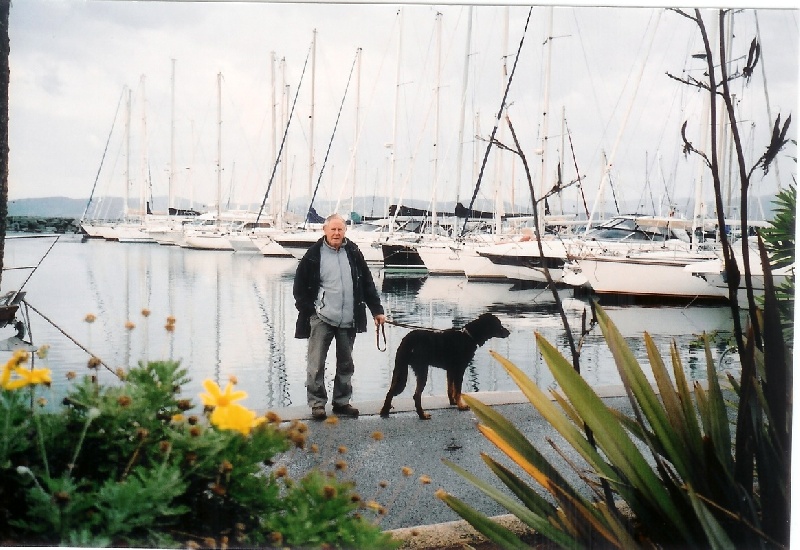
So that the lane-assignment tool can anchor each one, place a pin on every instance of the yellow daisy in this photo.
(29, 377)
(235, 417)
(217, 398)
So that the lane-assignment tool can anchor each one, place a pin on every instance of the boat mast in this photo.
(285, 91)
(171, 206)
(143, 161)
(464, 79)
(357, 128)
(436, 120)
(219, 144)
(393, 158)
(125, 207)
(545, 109)
(276, 201)
(311, 117)
(498, 180)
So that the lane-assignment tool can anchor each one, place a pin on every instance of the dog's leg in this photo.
(387, 404)
(422, 379)
(456, 400)
(451, 389)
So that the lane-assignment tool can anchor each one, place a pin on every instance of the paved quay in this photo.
(406, 442)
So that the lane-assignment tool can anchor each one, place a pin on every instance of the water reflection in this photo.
(235, 316)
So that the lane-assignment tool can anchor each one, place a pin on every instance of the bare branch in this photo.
(689, 148)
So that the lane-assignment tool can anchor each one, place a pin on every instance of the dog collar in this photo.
(465, 331)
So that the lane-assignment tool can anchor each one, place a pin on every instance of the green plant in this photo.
(684, 493)
(779, 239)
(130, 465)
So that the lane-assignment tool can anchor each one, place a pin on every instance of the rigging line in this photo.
(102, 159)
(283, 140)
(28, 278)
(496, 122)
(577, 172)
(333, 133)
(73, 340)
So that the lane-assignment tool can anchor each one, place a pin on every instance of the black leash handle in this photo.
(380, 329)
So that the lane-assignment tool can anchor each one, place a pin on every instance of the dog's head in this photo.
(486, 327)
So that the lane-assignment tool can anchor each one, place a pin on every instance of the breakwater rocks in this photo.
(36, 224)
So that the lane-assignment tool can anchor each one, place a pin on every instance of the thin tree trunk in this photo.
(5, 48)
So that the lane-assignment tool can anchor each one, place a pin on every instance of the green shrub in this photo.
(130, 465)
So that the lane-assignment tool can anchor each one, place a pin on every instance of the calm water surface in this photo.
(235, 317)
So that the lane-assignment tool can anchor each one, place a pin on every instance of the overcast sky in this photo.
(601, 80)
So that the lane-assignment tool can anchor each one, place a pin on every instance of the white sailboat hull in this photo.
(653, 274)
(206, 241)
(522, 260)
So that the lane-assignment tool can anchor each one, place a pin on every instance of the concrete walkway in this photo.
(418, 446)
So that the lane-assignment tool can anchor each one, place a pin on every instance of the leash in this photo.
(380, 330)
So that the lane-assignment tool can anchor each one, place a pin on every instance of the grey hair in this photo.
(334, 217)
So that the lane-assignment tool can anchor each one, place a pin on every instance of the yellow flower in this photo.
(20, 356)
(145, 312)
(29, 377)
(217, 398)
(90, 318)
(235, 417)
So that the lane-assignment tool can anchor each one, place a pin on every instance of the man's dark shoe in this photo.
(318, 413)
(346, 410)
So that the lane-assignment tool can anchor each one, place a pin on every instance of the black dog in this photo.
(450, 349)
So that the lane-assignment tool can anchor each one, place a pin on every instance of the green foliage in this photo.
(125, 466)
(672, 463)
(779, 239)
(319, 510)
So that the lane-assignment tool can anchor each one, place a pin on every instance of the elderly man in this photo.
(332, 289)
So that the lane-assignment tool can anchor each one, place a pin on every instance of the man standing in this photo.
(332, 289)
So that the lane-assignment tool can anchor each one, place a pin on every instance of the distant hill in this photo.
(112, 208)
(52, 207)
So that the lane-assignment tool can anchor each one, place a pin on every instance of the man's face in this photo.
(334, 232)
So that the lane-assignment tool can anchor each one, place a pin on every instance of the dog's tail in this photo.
(400, 373)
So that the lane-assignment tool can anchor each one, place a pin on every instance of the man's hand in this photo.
(380, 319)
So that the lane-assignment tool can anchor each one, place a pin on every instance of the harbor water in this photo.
(235, 317)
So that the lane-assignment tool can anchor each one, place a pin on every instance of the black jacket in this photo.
(306, 288)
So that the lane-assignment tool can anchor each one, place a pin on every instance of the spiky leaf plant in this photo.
(672, 463)
(779, 238)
